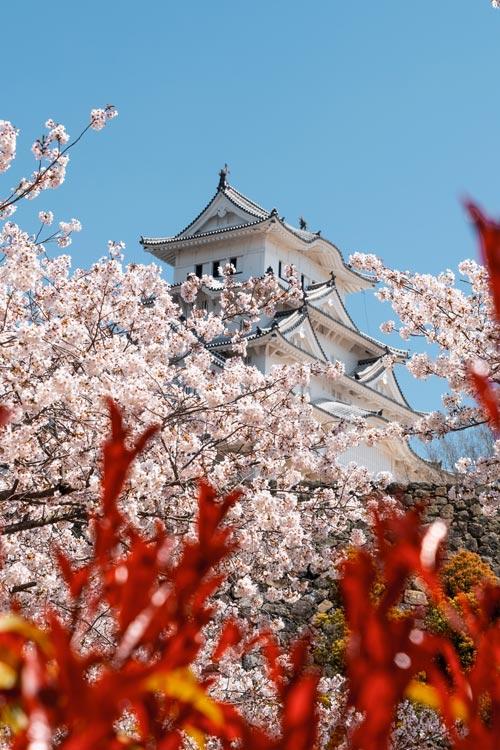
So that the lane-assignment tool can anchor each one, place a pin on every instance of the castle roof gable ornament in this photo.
(245, 213)
(223, 177)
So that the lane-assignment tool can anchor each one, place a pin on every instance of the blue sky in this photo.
(369, 119)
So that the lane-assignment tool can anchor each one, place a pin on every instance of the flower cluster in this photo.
(46, 217)
(65, 229)
(8, 135)
(99, 117)
(51, 152)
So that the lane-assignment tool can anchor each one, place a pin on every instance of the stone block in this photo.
(447, 511)
(303, 609)
(414, 598)
(472, 545)
(432, 511)
(422, 494)
(476, 530)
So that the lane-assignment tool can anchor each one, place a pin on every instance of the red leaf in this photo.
(117, 459)
(486, 394)
(381, 655)
(156, 612)
(299, 725)
(5, 415)
(489, 240)
(76, 579)
(230, 636)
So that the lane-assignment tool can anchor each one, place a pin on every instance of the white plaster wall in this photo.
(375, 459)
(335, 351)
(249, 250)
(277, 251)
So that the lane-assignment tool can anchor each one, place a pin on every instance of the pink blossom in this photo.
(99, 117)
(8, 136)
(387, 327)
(46, 217)
(66, 227)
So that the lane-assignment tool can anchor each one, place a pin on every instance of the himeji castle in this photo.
(234, 229)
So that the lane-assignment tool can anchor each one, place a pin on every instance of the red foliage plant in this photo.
(392, 658)
(489, 244)
(159, 609)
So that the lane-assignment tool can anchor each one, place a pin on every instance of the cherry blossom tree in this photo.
(69, 339)
(460, 326)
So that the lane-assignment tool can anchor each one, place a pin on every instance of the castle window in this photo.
(198, 269)
(234, 262)
(280, 269)
(215, 268)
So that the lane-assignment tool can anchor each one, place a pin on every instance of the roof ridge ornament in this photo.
(223, 177)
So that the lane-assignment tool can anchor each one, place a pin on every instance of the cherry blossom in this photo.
(50, 151)
(8, 136)
(99, 117)
(46, 217)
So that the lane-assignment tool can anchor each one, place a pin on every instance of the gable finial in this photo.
(302, 222)
(223, 177)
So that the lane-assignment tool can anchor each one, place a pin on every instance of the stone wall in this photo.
(469, 528)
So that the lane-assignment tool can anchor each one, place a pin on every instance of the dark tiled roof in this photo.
(179, 238)
(345, 411)
(400, 353)
(245, 204)
(368, 369)
(303, 234)
(257, 215)
(275, 328)
(316, 292)
(237, 198)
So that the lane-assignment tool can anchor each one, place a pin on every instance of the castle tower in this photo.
(234, 229)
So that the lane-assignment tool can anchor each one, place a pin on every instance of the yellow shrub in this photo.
(464, 571)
